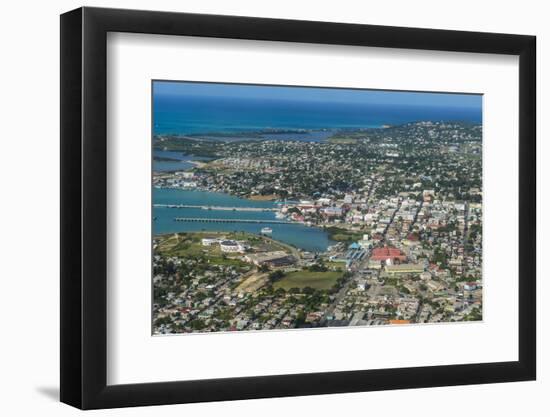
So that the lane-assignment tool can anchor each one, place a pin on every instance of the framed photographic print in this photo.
(257, 208)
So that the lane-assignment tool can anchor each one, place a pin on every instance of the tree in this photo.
(197, 324)
(276, 275)
(318, 267)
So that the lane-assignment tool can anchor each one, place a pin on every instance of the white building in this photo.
(365, 243)
(362, 284)
(230, 246)
(186, 174)
(209, 241)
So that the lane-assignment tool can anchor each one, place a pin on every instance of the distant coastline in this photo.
(234, 118)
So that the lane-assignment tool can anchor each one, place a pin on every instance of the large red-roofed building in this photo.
(383, 254)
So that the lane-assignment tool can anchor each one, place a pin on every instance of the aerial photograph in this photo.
(286, 207)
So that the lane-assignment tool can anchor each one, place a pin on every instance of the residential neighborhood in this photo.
(401, 206)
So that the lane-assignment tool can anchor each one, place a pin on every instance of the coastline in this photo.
(197, 164)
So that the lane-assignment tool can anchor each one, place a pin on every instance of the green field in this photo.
(343, 235)
(302, 279)
(189, 245)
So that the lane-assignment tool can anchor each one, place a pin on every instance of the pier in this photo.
(207, 220)
(223, 208)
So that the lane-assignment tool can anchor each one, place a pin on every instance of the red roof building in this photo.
(383, 254)
(400, 321)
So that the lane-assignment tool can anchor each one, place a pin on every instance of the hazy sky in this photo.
(316, 94)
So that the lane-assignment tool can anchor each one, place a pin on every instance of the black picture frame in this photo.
(84, 207)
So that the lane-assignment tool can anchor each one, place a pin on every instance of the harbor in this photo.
(214, 211)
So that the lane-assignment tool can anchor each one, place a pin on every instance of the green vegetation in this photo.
(186, 145)
(302, 279)
(475, 315)
(336, 266)
(189, 245)
(347, 137)
(343, 235)
(276, 275)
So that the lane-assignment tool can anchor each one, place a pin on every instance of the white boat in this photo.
(266, 230)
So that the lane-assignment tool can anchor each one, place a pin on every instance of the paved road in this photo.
(466, 226)
(391, 219)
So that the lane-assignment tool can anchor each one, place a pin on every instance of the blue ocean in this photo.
(180, 114)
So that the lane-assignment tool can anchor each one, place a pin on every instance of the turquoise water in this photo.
(308, 238)
(183, 114)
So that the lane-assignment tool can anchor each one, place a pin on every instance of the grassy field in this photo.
(186, 245)
(301, 279)
(343, 235)
(189, 245)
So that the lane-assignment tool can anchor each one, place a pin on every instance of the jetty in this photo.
(215, 208)
(207, 220)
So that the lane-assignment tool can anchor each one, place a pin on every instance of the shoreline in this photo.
(197, 164)
(258, 134)
(288, 246)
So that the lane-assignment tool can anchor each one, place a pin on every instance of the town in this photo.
(401, 204)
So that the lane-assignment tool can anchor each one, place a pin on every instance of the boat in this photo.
(266, 230)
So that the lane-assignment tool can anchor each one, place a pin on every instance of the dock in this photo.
(207, 220)
(218, 208)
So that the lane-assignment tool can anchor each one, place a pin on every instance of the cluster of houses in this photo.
(178, 179)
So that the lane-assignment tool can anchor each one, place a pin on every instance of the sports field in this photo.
(302, 279)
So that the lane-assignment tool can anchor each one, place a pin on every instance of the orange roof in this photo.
(386, 252)
(400, 321)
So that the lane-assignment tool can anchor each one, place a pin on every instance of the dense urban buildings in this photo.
(400, 207)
